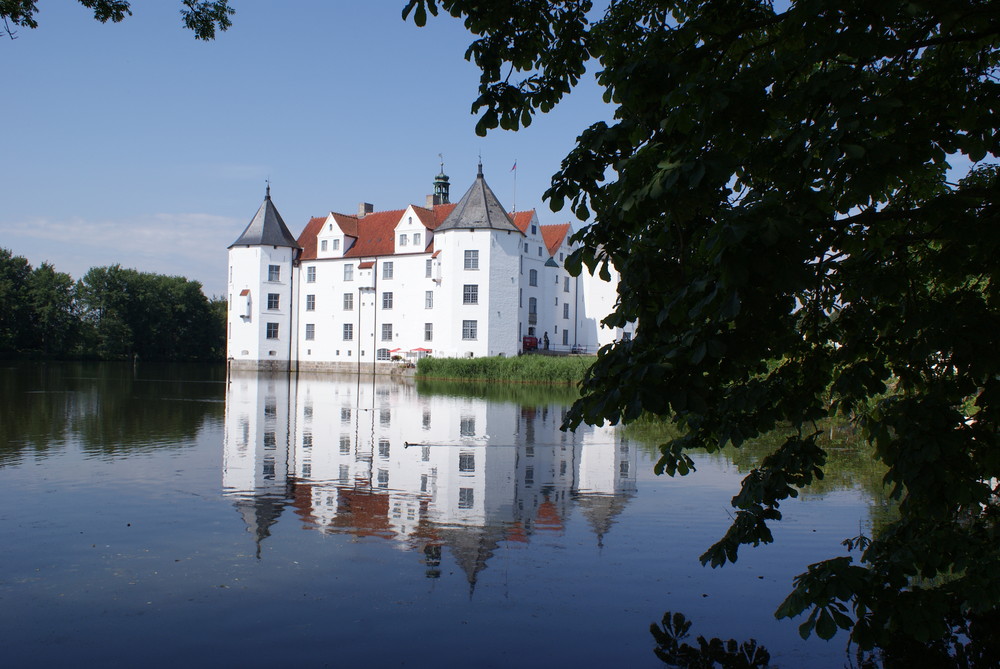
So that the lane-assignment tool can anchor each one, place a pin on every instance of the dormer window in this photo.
(322, 245)
(403, 239)
(416, 239)
(336, 244)
(534, 230)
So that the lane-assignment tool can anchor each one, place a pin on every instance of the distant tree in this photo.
(105, 303)
(775, 193)
(155, 317)
(15, 316)
(203, 17)
(53, 310)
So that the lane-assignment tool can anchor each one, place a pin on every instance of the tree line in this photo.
(112, 313)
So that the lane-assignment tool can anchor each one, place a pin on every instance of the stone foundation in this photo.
(386, 368)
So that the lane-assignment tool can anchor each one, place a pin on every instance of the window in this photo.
(274, 272)
(533, 277)
(322, 245)
(310, 303)
(469, 329)
(560, 257)
(386, 331)
(470, 294)
(539, 251)
(345, 472)
(428, 265)
(383, 478)
(565, 337)
(307, 440)
(532, 305)
(466, 462)
(416, 239)
(526, 247)
(310, 275)
(345, 415)
(534, 230)
(345, 444)
(310, 331)
(429, 299)
(565, 309)
(387, 300)
(348, 331)
(387, 270)
(336, 244)
(384, 417)
(348, 272)
(348, 301)
(272, 330)
(472, 260)
(425, 453)
(466, 498)
(382, 354)
(428, 331)
(404, 240)
(383, 448)
(565, 284)
(272, 300)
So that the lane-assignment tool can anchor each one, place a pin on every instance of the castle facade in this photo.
(462, 279)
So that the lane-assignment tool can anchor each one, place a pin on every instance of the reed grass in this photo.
(524, 368)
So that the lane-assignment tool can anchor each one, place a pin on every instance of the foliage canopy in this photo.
(776, 191)
(203, 17)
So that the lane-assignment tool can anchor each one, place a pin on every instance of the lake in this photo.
(168, 516)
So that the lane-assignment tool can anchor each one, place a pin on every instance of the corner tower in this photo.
(480, 262)
(261, 292)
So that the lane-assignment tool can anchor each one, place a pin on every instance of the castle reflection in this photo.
(427, 472)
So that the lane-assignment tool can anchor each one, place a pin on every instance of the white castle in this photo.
(448, 280)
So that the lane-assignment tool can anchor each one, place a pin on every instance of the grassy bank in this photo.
(525, 368)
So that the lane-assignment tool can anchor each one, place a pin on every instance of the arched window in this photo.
(382, 354)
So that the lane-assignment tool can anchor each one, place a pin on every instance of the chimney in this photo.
(365, 208)
(431, 201)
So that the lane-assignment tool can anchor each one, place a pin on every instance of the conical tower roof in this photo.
(479, 209)
(267, 228)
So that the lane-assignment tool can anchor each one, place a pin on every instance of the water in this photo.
(163, 516)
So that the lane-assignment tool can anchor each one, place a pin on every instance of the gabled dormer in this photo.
(411, 235)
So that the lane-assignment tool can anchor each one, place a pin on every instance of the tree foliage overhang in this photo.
(202, 17)
(792, 245)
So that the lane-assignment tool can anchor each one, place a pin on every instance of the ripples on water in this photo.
(165, 516)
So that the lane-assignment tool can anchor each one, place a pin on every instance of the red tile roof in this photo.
(522, 219)
(374, 233)
(307, 240)
(368, 264)
(553, 236)
(244, 292)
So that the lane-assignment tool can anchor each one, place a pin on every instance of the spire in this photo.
(441, 185)
(479, 208)
(267, 228)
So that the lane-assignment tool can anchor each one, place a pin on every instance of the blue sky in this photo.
(133, 143)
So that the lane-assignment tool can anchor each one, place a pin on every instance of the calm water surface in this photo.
(167, 516)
